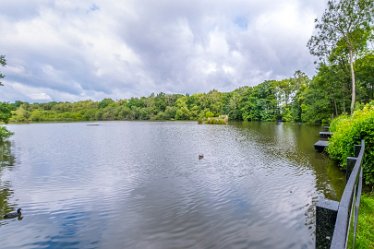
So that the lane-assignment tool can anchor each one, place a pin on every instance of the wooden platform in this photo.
(321, 145)
(325, 134)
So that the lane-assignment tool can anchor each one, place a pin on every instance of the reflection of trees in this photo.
(6, 157)
(6, 161)
(295, 142)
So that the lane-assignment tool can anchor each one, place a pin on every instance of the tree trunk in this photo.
(353, 81)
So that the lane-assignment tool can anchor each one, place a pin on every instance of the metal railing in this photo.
(334, 220)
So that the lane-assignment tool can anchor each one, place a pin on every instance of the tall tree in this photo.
(2, 63)
(344, 28)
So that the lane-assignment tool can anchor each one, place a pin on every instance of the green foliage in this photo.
(5, 112)
(287, 115)
(105, 102)
(337, 121)
(222, 119)
(365, 77)
(5, 109)
(344, 27)
(215, 121)
(327, 95)
(209, 114)
(342, 34)
(260, 104)
(293, 99)
(348, 131)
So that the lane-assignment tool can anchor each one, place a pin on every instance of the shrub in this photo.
(336, 122)
(222, 119)
(348, 131)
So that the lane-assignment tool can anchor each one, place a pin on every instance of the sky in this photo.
(77, 50)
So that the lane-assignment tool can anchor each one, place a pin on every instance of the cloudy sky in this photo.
(65, 50)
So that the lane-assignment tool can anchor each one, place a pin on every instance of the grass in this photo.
(365, 229)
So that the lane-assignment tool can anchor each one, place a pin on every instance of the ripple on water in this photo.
(141, 185)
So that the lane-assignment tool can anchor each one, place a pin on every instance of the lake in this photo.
(142, 185)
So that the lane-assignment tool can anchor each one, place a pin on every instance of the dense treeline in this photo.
(345, 76)
(296, 99)
(268, 101)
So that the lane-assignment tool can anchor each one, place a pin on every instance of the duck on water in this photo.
(12, 215)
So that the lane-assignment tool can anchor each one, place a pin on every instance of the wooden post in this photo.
(351, 161)
(326, 211)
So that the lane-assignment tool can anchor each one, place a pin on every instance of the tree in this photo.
(365, 77)
(5, 112)
(2, 63)
(260, 103)
(5, 109)
(300, 82)
(343, 31)
(325, 96)
(105, 102)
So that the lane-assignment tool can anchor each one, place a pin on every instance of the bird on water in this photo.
(12, 215)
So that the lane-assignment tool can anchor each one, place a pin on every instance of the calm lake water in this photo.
(142, 185)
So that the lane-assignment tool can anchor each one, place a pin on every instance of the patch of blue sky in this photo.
(94, 7)
(241, 22)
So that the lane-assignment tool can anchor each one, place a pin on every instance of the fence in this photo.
(334, 220)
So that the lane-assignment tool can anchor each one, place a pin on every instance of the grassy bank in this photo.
(365, 229)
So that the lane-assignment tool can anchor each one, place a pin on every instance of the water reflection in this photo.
(6, 164)
(295, 142)
(141, 185)
(6, 156)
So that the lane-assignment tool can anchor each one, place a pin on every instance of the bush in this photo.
(335, 123)
(222, 119)
(348, 131)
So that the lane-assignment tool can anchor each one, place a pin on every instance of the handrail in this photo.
(352, 191)
(333, 219)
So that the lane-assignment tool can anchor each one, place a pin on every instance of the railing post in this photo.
(357, 149)
(356, 207)
(326, 211)
(350, 165)
(348, 206)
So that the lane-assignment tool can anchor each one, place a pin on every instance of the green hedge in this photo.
(348, 131)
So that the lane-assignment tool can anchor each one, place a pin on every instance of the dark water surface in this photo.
(142, 185)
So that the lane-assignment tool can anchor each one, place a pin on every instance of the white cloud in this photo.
(72, 50)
